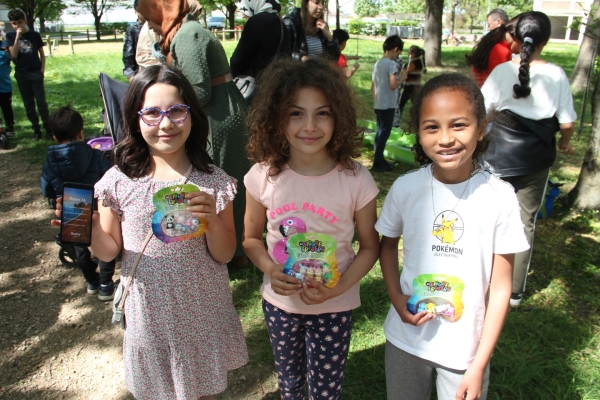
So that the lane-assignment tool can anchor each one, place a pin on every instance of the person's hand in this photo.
(309, 297)
(18, 32)
(304, 58)
(418, 319)
(202, 205)
(565, 146)
(58, 213)
(323, 27)
(470, 386)
(356, 66)
(403, 75)
(281, 283)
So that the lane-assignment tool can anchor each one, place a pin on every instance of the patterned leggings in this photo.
(327, 338)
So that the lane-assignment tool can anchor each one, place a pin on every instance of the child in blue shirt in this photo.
(72, 160)
(6, 90)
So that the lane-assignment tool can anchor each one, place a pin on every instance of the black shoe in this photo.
(10, 132)
(106, 292)
(381, 167)
(37, 136)
(390, 163)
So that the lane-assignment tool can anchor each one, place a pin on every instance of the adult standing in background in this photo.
(309, 34)
(495, 18)
(190, 47)
(129, 46)
(262, 37)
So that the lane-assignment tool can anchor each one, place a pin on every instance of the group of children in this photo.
(25, 48)
(183, 333)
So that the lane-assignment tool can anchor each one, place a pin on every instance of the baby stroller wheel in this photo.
(3, 141)
(67, 256)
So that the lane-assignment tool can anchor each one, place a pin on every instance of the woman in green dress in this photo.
(187, 45)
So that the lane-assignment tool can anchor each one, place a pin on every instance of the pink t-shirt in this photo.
(319, 204)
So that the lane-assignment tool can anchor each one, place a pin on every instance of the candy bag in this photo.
(171, 222)
(437, 294)
(313, 255)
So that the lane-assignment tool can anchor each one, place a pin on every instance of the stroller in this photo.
(113, 93)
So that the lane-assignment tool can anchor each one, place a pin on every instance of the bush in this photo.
(240, 22)
(356, 26)
(120, 26)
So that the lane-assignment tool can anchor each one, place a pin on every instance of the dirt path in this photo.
(56, 341)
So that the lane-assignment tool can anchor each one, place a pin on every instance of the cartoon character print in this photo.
(446, 232)
(289, 227)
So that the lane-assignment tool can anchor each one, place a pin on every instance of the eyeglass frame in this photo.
(163, 113)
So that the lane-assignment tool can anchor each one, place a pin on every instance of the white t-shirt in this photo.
(385, 98)
(550, 92)
(448, 255)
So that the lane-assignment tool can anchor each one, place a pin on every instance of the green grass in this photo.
(550, 347)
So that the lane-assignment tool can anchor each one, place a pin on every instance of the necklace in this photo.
(459, 199)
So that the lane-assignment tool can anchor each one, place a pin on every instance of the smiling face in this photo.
(449, 138)
(166, 138)
(310, 125)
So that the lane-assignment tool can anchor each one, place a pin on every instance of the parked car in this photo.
(217, 23)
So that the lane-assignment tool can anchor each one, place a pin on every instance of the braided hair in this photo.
(532, 30)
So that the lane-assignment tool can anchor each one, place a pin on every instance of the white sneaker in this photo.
(515, 299)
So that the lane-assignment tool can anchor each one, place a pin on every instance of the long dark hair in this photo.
(132, 154)
(532, 29)
(480, 56)
(419, 53)
(473, 96)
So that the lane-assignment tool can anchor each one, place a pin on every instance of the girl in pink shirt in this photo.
(313, 196)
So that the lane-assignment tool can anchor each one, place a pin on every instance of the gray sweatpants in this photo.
(410, 377)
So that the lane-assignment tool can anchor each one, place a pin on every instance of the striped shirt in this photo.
(314, 46)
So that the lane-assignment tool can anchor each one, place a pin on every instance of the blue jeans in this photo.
(385, 119)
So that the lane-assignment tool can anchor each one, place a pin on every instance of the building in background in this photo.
(568, 18)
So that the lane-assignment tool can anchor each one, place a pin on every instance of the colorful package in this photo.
(312, 255)
(437, 294)
(171, 222)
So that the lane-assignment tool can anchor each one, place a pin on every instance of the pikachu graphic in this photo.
(446, 231)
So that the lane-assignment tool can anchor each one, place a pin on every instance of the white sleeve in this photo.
(509, 233)
(565, 111)
(491, 90)
(390, 222)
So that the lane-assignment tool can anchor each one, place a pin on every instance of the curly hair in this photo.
(277, 86)
(132, 154)
(454, 82)
(533, 29)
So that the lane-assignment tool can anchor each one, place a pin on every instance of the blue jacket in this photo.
(5, 81)
(71, 162)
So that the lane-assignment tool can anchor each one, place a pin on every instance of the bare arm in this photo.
(396, 82)
(363, 262)
(351, 71)
(500, 290)
(254, 222)
(220, 233)
(566, 133)
(388, 259)
(14, 49)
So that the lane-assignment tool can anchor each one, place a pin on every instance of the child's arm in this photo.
(351, 71)
(396, 82)
(254, 223)
(220, 233)
(388, 259)
(500, 290)
(352, 57)
(566, 133)
(363, 262)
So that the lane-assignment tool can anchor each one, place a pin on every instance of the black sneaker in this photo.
(92, 289)
(37, 136)
(10, 132)
(106, 292)
(381, 167)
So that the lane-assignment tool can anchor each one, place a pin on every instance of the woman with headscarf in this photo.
(262, 38)
(310, 35)
(190, 47)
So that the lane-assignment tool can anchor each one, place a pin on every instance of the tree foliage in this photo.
(366, 8)
(99, 7)
(34, 8)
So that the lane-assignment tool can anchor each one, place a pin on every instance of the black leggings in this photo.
(7, 111)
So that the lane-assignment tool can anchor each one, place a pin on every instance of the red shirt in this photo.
(500, 54)
(342, 61)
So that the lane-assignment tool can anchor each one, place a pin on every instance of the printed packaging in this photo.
(171, 222)
(312, 255)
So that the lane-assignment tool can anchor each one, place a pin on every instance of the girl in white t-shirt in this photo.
(313, 196)
(460, 227)
(533, 100)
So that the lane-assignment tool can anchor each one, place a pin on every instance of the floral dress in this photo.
(183, 333)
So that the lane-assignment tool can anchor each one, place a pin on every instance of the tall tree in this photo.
(433, 32)
(32, 8)
(99, 7)
(366, 8)
(51, 13)
(586, 193)
(585, 61)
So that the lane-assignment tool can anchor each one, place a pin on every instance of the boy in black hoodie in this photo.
(72, 160)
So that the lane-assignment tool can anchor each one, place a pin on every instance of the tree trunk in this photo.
(231, 17)
(433, 32)
(42, 24)
(97, 25)
(584, 58)
(586, 194)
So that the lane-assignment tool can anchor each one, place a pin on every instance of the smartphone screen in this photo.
(76, 220)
